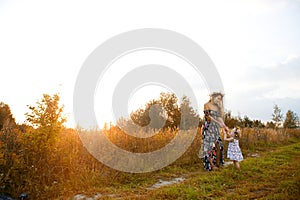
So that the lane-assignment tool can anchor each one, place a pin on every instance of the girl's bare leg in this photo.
(236, 165)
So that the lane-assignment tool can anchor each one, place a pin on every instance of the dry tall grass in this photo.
(71, 168)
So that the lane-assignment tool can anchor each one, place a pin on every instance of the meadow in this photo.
(270, 169)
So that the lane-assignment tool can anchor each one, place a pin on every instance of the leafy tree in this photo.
(277, 115)
(47, 120)
(47, 113)
(156, 114)
(240, 122)
(258, 124)
(140, 117)
(164, 112)
(270, 125)
(153, 115)
(6, 118)
(230, 121)
(189, 118)
(39, 143)
(169, 102)
(291, 120)
(11, 158)
(247, 122)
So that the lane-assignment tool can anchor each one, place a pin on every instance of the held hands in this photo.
(227, 136)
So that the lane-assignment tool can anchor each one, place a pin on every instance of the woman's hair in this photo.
(221, 108)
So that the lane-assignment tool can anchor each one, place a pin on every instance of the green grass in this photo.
(275, 174)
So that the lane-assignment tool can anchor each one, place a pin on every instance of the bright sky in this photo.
(255, 46)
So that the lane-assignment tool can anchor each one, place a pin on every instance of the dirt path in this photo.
(159, 184)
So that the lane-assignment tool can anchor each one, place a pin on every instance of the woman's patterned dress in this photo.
(212, 146)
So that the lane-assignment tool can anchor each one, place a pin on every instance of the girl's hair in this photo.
(221, 108)
(237, 131)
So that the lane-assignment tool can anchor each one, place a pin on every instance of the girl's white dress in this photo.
(234, 151)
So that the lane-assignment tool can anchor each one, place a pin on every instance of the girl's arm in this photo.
(228, 138)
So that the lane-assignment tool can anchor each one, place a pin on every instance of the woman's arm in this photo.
(218, 121)
(221, 123)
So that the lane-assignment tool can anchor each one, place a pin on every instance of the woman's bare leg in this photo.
(218, 153)
(212, 164)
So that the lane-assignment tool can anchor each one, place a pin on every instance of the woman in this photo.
(212, 148)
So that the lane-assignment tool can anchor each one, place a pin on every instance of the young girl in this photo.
(234, 151)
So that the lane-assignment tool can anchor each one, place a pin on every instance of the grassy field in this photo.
(271, 169)
(274, 173)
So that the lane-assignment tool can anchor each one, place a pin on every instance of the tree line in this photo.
(169, 112)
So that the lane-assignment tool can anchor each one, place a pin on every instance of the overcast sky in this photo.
(255, 46)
